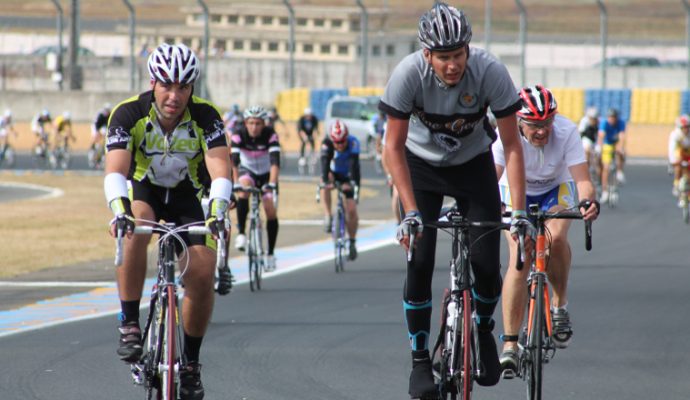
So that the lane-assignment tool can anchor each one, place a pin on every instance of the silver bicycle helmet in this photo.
(444, 28)
(173, 63)
(255, 112)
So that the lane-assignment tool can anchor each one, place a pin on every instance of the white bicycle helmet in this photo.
(444, 28)
(173, 63)
(255, 112)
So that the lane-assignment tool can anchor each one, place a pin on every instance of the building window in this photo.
(336, 23)
(273, 46)
(238, 45)
(343, 49)
(221, 45)
(325, 49)
(307, 48)
(301, 21)
(187, 42)
(320, 22)
(354, 25)
(284, 21)
(216, 18)
(267, 20)
(233, 19)
(376, 50)
(169, 40)
(390, 50)
(255, 45)
(249, 19)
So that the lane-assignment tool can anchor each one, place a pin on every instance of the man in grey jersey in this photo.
(438, 144)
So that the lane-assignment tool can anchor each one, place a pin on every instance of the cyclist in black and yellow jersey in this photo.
(62, 127)
(170, 145)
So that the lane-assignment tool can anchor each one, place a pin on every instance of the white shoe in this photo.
(675, 191)
(240, 242)
(620, 177)
(604, 196)
(270, 263)
(302, 161)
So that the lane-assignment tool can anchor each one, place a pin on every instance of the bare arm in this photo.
(515, 164)
(585, 188)
(118, 160)
(218, 162)
(397, 162)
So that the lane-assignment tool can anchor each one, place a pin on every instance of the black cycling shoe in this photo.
(130, 349)
(225, 281)
(491, 367)
(422, 384)
(352, 254)
(190, 382)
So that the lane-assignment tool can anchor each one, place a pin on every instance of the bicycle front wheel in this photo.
(535, 342)
(338, 241)
(466, 346)
(169, 363)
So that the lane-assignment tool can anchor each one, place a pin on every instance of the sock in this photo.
(192, 347)
(418, 317)
(130, 311)
(242, 211)
(272, 231)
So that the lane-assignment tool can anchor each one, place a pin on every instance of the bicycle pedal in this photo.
(508, 374)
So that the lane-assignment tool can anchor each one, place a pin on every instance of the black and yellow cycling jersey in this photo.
(170, 161)
(61, 124)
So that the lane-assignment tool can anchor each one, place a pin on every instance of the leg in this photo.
(271, 228)
(352, 222)
(514, 296)
(559, 260)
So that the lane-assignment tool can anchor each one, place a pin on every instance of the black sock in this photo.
(130, 311)
(272, 230)
(242, 211)
(192, 347)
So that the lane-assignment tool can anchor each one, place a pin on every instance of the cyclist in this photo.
(555, 165)
(256, 163)
(679, 149)
(306, 126)
(340, 163)
(40, 126)
(175, 145)
(6, 128)
(99, 126)
(62, 127)
(232, 119)
(438, 143)
(612, 143)
(589, 129)
(272, 118)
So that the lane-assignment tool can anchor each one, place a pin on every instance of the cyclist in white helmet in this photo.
(171, 146)
(438, 143)
(6, 128)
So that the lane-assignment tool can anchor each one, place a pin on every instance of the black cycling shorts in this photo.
(259, 180)
(341, 178)
(180, 207)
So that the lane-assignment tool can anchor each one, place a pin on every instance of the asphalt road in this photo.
(317, 335)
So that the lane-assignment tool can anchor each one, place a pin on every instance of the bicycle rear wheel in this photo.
(466, 345)
(338, 241)
(258, 255)
(253, 260)
(535, 342)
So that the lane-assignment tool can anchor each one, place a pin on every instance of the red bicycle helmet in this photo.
(538, 103)
(338, 132)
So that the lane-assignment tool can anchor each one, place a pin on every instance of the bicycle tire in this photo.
(338, 239)
(465, 343)
(259, 255)
(169, 372)
(152, 356)
(251, 256)
(536, 342)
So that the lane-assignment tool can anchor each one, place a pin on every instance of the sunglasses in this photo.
(539, 125)
(339, 142)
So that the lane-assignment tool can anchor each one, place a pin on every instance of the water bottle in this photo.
(452, 313)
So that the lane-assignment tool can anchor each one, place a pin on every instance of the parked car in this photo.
(357, 113)
(43, 50)
(631, 61)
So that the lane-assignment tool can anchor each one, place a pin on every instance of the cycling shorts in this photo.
(607, 153)
(563, 195)
(257, 180)
(342, 178)
(180, 207)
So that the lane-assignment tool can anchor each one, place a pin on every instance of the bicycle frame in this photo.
(163, 333)
(255, 247)
(460, 354)
(339, 230)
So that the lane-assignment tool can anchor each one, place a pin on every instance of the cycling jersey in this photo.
(256, 155)
(233, 121)
(588, 130)
(39, 122)
(175, 160)
(5, 125)
(62, 124)
(544, 172)
(611, 132)
(307, 124)
(681, 146)
(343, 163)
(101, 121)
(448, 125)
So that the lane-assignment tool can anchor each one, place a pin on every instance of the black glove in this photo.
(124, 219)
(215, 220)
(410, 225)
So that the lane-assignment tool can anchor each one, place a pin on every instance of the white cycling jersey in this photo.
(564, 150)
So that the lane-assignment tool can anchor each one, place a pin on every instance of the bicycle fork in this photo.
(535, 281)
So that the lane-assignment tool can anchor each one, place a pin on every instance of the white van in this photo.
(357, 113)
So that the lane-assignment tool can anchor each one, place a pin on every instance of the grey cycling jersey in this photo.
(448, 125)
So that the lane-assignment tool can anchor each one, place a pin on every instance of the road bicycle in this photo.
(684, 191)
(255, 245)
(95, 156)
(339, 228)
(7, 157)
(456, 352)
(613, 183)
(59, 158)
(535, 343)
(163, 357)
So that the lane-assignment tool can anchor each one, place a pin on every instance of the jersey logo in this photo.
(218, 131)
(117, 135)
(467, 100)
(447, 142)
